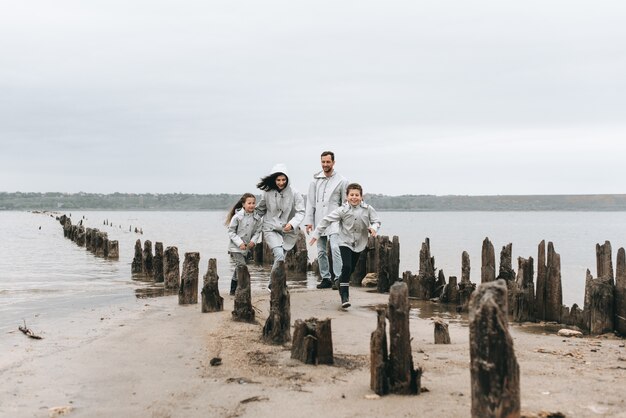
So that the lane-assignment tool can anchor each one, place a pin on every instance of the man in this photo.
(326, 193)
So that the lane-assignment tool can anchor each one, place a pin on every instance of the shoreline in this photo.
(152, 358)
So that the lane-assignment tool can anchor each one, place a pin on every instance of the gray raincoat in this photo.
(279, 209)
(353, 224)
(325, 195)
(244, 227)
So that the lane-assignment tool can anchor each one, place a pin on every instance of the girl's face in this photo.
(281, 181)
(249, 204)
(354, 197)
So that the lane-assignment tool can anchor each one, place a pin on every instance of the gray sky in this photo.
(414, 97)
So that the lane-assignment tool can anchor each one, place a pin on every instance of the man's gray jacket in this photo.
(325, 195)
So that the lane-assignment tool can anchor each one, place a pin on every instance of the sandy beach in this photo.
(152, 359)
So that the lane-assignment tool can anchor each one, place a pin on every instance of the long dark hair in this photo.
(268, 183)
(238, 205)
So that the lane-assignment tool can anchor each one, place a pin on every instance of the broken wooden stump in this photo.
(466, 287)
(211, 299)
(403, 378)
(599, 309)
(523, 291)
(157, 263)
(312, 341)
(604, 262)
(379, 358)
(148, 259)
(137, 265)
(549, 294)
(277, 328)
(171, 268)
(114, 250)
(493, 365)
(243, 310)
(506, 271)
(488, 269)
(620, 293)
(442, 335)
(188, 290)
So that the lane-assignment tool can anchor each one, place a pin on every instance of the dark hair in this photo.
(268, 183)
(332, 154)
(354, 186)
(238, 205)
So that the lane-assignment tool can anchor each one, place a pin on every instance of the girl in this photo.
(356, 219)
(282, 208)
(244, 230)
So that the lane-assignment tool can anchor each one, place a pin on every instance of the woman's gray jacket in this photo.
(354, 222)
(325, 195)
(278, 209)
(244, 227)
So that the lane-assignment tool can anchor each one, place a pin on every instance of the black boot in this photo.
(233, 287)
(344, 291)
(324, 284)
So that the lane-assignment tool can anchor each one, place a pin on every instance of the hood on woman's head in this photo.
(279, 168)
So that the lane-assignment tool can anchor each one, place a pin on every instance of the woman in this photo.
(282, 208)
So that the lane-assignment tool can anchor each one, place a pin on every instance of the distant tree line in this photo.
(223, 201)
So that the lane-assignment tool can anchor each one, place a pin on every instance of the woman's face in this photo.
(281, 181)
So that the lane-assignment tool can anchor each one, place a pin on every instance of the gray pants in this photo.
(279, 255)
(322, 256)
(240, 260)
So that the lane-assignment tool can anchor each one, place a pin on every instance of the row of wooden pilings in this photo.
(91, 238)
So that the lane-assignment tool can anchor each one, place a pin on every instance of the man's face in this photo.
(327, 164)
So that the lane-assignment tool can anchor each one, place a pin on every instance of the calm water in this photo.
(44, 274)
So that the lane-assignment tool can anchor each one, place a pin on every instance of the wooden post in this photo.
(620, 293)
(466, 287)
(80, 236)
(188, 290)
(488, 269)
(211, 299)
(114, 249)
(403, 378)
(442, 335)
(312, 341)
(440, 285)
(98, 247)
(542, 271)
(553, 295)
(379, 359)
(148, 259)
(171, 268)
(523, 297)
(604, 261)
(296, 259)
(452, 291)
(137, 265)
(157, 263)
(493, 365)
(385, 278)
(243, 310)
(599, 308)
(506, 264)
(426, 275)
(277, 326)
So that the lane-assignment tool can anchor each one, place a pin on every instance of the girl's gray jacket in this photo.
(325, 195)
(244, 227)
(354, 222)
(278, 209)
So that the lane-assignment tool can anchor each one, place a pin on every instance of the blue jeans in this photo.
(322, 256)
(279, 255)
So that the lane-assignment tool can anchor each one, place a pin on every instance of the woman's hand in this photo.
(372, 231)
(288, 228)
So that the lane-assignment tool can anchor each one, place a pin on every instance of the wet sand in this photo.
(152, 359)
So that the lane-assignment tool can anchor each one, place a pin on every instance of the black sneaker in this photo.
(324, 284)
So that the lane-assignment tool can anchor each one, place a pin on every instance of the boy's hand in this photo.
(313, 241)
(372, 231)
(242, 246)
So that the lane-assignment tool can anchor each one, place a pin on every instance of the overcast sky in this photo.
(414, 97)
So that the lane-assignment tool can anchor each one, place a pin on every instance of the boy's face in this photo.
(354, 197)
(249, 204)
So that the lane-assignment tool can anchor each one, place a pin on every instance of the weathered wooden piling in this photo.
(296, 259)
(114, 250)
(243, 310)
(277, 326)
(101, 245)
(211, 299)
(312, 341)
(553, 298)
(171, 268)
(157, 263)
(506, 271)
(148, 259)
(379, 358)
(80, 236)
(451, 292)
(137, 265)
(188, 290)
(422, 285)
(540, 293)
(604, 260)
(442, 335)
(488, 266)
(599, 308)
(493, 365)
(403, 378)
(523, 291)
(620, 293)
(466, 287)
(88, 233)
(440, 285)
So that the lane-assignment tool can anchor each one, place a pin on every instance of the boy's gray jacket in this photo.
(244, 227)
(279, 209)
(325, 195)
(353, 224)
